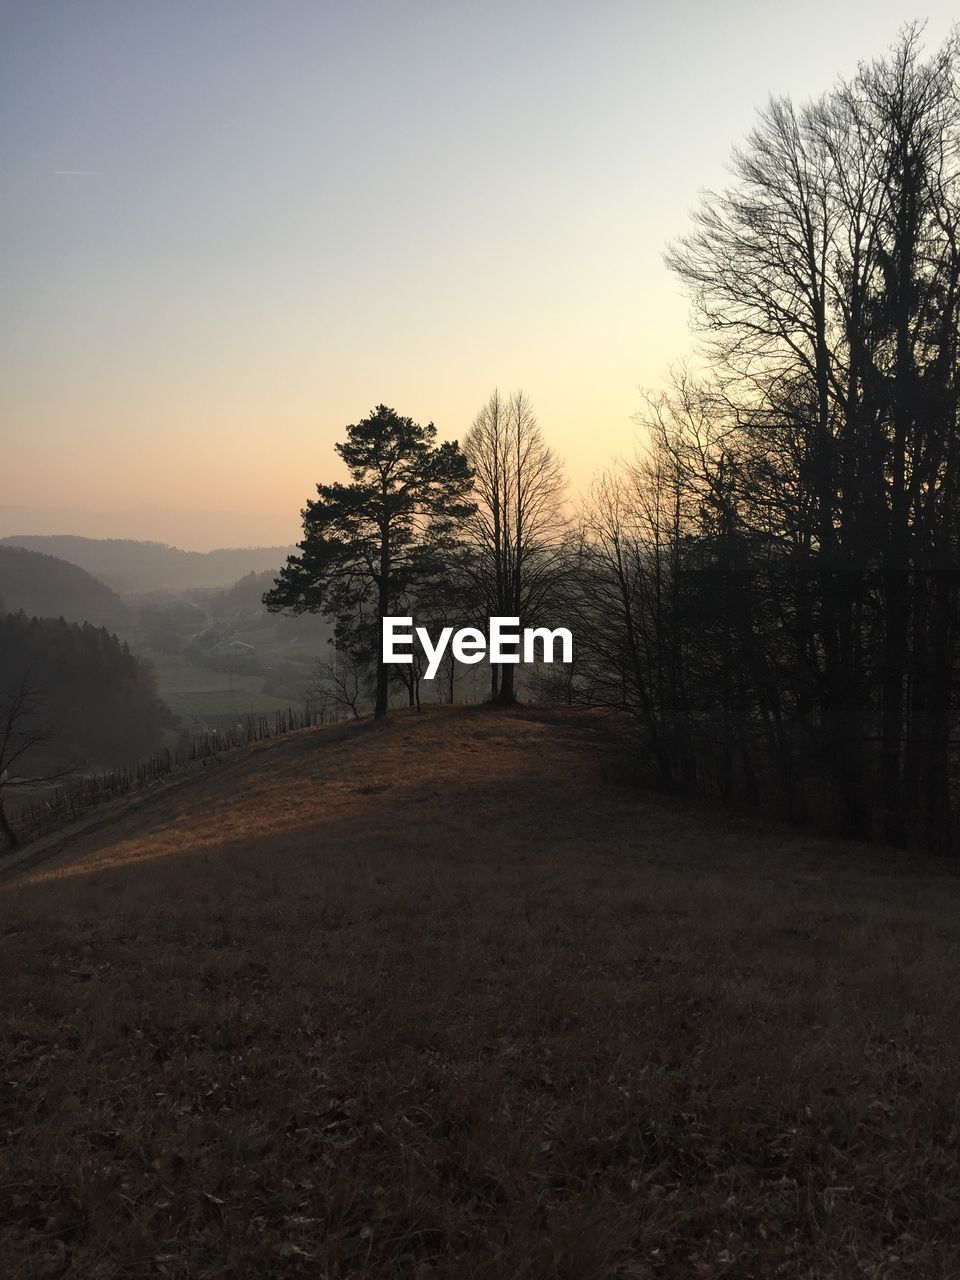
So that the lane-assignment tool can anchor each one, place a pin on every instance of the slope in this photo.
(130, 566)
(442, 997)
(45, 587)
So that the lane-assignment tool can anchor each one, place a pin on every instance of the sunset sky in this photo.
(230, 228)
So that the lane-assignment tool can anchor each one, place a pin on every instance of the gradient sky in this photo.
(230, 228)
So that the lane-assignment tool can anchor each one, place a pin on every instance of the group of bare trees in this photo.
(774, 586)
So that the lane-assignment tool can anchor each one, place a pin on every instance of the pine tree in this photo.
(368, 543)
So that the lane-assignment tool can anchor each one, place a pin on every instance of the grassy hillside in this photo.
(130, 566)
(445, 997)
(45, 587)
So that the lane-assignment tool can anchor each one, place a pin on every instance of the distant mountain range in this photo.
(46, 587)
(132, 567)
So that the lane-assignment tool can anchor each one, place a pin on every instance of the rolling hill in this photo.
(44, 586)
(446, 997)
(131, 567)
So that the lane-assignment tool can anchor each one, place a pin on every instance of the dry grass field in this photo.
(447, 998)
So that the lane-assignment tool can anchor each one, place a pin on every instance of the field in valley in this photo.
(450, 997)
(198, 693)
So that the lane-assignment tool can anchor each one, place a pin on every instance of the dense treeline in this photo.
(773, 586)
(92, 702)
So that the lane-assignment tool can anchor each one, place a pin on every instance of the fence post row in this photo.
(69, 801)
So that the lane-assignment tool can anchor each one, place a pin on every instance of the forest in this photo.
(73, 698)
(770, 586)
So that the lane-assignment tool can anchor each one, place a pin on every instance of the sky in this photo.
(230, 228)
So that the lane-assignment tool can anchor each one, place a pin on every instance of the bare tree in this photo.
(519, 528)
(631, 577)
(317, 694)
(826, 280)
(346, 682)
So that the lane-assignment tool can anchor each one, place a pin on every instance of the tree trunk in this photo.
(8, 839)
(506, 697)
(383, 605)
(892, 712)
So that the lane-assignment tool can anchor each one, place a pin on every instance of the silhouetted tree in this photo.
(518, 530)
(367, 543)
(773, 587)
(446, 600)
(342, 681)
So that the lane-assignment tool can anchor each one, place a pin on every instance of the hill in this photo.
(130, 566)
(446, 997)
(44, 586)
(94, 703)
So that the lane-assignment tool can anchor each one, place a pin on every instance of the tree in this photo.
(369, 542)
(827, 282)
(22, 735)
(442, 601)
(518, 529)
(632, 577)
(343, 681)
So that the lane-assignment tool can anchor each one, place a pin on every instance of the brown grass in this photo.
(438, 999)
